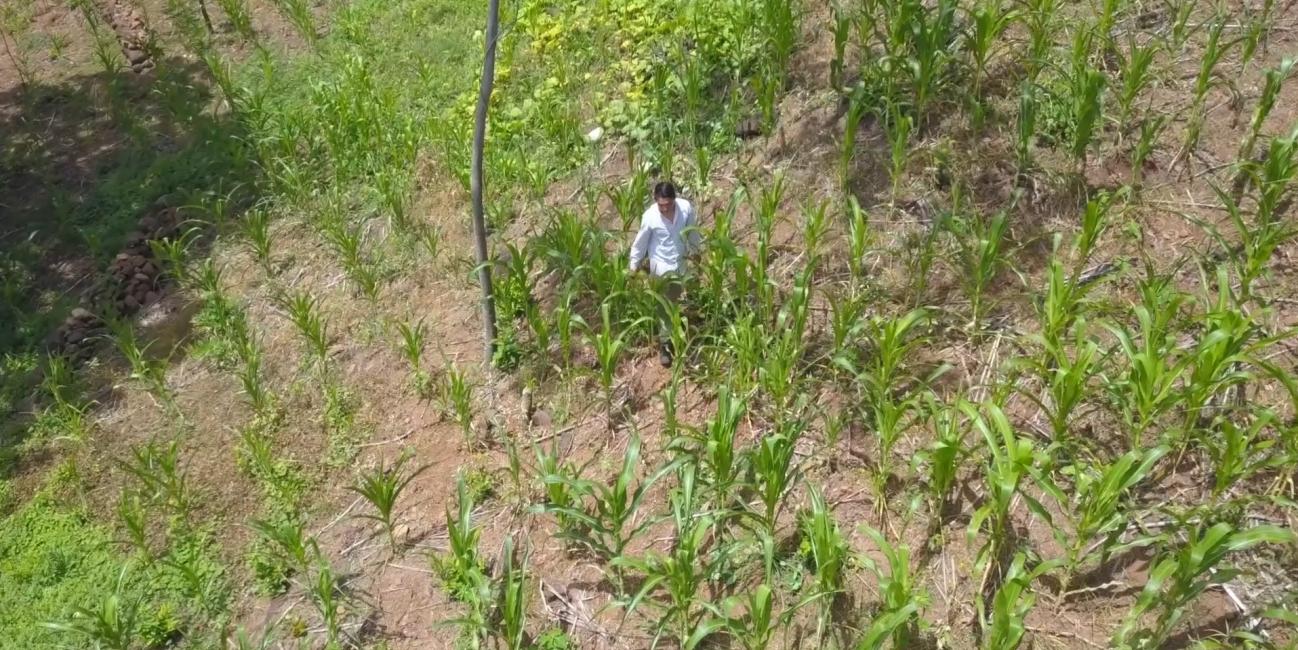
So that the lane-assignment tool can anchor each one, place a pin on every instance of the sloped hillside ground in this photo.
(975, 355)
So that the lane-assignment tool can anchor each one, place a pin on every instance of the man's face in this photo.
(666, 207)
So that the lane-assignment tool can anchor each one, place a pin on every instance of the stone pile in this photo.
(132, 280)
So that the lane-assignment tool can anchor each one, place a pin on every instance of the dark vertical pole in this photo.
(475, 182)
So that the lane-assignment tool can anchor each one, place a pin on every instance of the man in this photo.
(668, 235)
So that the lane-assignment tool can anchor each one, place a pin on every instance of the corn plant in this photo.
(628, 198)
(1086, 99)
(1040, 17)
(842, 30)
(860, 238)
(609, 348)
(1011, 459)
(981, 254)
(566, 322)
(289, 539)
(1067, 382)
(943, 457)
(858, 106)
(829, 554)
(112, 624)
(1257, 241)
(298, 14)
(253, 382)
(148, 371)
(1181, 574)
(1099, 509)
(381, 487)
(462, 569)
(1147, 388)
(135, 521)
(774, 471)
(303, 311)
(1241, 452)
(1213, 51)
(900, 598)
(157, 469)
(256, 230)
(1135, 73)
(893, 341)
(899, 127)
(457, 400)
(1006, 627)
(687, 615)
(326, 594)
(511, 600)
(606, 523)
(349, 244)
(1274, 177)
(988, 21)
(846, 324)
(412, 349)
(712, 447)
(240, 17)
(756, 627)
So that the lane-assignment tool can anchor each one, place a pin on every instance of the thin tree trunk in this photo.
(207, 18)
(476, 181)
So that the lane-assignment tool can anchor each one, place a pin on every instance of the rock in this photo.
(401, 532)
(130, 302)
(150, 297)
(136, 57)
(76, 336)
(142, 278)
(148, 224)
(82, 315)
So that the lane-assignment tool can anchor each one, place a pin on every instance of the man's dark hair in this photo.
(664, 190)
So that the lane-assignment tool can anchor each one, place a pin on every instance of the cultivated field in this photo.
(990, 344)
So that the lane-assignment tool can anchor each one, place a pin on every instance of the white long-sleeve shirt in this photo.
(665, 243)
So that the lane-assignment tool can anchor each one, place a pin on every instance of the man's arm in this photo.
(640, 246)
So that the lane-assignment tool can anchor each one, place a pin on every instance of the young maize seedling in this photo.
(1011, 459)
(381, 487)
(860, 239)
(1099, 506)
(173, 252)
(1135, 72)
(511, 600)
(712, 448)
(298, 13)
(556, 478)
(842, 30)
(349, 243)
(1257, 241)
(303, 310)
(1148, 387)
(256, 230)
(858, 106)
(1150, 129)
(158, 471)
(1067, 382)
(846, 323)
(900, 598)
(988, 21)
(1274, 177)
(412, 349)
(149, 372)
(1242, 452)
(605, 528)
(240, 17)
(982, 245)
(457, 400)
(135, 521)
(628, 198)
(756, 627)
(943, 457)
(1042, 25)
(461, 569)
(1213, 51)
(1086, 94)
(1181, 574)
(326, 594)
(289, 539)
(687, 615)
(567, 321)
(899, 127)
(774, 471)
(1006, 627)
(111, 625)
(829, 554)
(253, 382)
(609, 348)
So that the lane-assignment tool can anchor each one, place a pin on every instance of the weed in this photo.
(381, 487)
